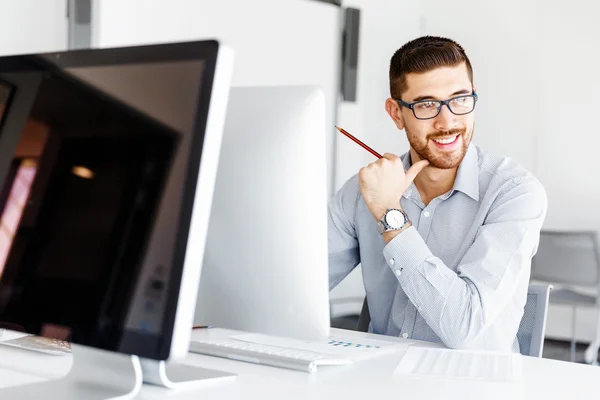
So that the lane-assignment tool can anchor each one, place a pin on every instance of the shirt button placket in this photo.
(426, 218)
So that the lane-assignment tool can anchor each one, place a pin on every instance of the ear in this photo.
(474, 88)
(395, 112)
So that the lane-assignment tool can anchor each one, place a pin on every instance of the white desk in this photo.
(366, 380)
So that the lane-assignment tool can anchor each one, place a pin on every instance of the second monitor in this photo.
(265, 267)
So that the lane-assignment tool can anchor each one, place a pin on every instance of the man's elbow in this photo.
(456, 342)
(463, 338)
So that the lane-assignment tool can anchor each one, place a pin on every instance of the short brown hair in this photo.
(423, 55)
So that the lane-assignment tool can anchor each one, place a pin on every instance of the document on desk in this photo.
(461, 364)
(354, 349)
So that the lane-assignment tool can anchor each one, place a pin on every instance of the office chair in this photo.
(571, 262)
(532, 328)
(364, 319)
(346, 320)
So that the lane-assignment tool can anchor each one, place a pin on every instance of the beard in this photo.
(442, 160)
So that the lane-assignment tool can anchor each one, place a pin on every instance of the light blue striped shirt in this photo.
(460, 274)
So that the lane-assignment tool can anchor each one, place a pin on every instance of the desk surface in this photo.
(364, 380)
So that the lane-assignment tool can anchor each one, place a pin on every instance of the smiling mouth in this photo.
(446, 140)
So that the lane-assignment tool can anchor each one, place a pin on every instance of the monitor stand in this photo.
(99, 375)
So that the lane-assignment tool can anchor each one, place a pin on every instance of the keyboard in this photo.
(39, 343)
(275, 356)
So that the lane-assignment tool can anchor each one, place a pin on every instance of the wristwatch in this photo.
(394, 219)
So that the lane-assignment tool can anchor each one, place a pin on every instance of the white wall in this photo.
(570, 96)
(29, 26)
(567, 157)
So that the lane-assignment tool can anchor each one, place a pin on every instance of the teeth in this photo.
(445, 141)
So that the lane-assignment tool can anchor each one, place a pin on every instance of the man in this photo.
(445, 234)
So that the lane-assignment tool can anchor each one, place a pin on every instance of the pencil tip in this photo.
(338, 128)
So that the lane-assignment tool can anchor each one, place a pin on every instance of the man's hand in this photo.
(383, 182)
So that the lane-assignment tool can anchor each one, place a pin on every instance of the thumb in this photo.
(414, 170)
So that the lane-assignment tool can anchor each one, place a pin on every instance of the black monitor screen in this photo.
(94, 156)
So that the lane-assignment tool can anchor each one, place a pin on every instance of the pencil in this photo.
(364, 146)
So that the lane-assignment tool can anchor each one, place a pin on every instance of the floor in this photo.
(554, 349)
(560, 350)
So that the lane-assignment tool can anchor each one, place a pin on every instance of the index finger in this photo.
(391, 157)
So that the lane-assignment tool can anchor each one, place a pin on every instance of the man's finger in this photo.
(414, 170)
(390, 156)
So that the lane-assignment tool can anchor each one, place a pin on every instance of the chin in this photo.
(447, 160)
(444, 162)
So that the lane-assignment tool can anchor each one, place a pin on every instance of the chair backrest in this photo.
(532, 328)
(567, 257)
(364, 319)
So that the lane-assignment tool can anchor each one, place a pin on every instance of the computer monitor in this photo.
(265, 266)
(108, 159)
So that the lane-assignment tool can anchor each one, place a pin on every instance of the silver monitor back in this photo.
(266, 265)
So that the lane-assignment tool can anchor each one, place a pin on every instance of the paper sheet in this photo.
(461, 364)
(351, 348)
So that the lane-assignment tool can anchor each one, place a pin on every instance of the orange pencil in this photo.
(364, 146)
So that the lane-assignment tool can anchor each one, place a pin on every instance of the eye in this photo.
(426, 105)
(460, 101)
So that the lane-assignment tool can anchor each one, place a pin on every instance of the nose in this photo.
(445, 120)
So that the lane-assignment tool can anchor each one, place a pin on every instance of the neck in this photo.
(431, 181)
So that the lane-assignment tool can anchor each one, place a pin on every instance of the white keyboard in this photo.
(39, 343)
(276, 356)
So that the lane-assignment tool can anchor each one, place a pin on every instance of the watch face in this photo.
(395, 219)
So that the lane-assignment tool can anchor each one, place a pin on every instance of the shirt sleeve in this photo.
(460, 305)
(343, 243)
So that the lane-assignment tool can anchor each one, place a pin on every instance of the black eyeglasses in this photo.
(427, 109)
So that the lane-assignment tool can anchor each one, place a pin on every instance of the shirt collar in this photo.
(467, 177)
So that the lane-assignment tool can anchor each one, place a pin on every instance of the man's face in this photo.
(444, 139)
